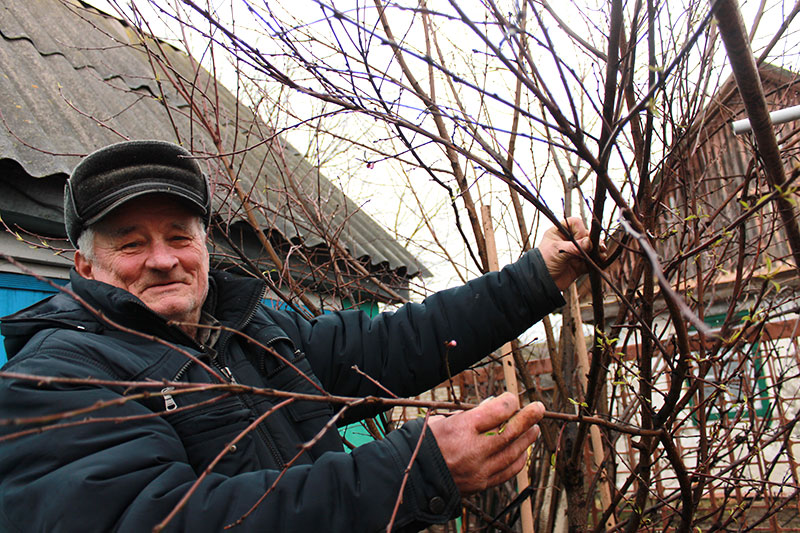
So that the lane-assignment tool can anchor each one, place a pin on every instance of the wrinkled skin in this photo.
(563, 259)
(154, 248)
(487, 445)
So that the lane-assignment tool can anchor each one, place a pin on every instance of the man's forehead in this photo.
(115, 230)
(148, 211)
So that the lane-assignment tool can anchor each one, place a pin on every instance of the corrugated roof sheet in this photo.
(74, 79)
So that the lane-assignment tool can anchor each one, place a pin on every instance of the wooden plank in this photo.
(509, 369)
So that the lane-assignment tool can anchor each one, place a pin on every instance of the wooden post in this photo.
(582, 355)
(509, 369)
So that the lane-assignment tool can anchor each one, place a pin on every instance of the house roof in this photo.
(74, 79)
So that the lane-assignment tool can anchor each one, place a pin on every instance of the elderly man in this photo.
(149, 309)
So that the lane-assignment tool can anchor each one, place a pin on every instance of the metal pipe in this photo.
(778, 117)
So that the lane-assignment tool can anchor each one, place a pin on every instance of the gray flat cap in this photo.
(111, 176)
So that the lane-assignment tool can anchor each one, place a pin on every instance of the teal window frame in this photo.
(18, 291)
(760, 395)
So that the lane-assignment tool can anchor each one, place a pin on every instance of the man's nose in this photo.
(161, 257)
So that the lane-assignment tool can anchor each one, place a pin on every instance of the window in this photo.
(738, 378)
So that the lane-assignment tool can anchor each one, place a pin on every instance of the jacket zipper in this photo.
(246, 320)
(226, 371)
(228, 374)
(270, 343)
(276, 456)
(169, 402)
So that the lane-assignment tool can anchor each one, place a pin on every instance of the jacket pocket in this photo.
(293, 373)
(207, 430)
(298, 377)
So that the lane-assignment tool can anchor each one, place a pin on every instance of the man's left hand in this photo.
(563, 259)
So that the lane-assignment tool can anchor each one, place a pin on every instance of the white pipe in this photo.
(778, 117)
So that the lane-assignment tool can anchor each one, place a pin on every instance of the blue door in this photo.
(18, 291)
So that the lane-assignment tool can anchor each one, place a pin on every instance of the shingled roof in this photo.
(74, 79)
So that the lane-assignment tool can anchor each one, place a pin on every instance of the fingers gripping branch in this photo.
(564, 254)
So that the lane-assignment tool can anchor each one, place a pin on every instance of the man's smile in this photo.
(166, 285)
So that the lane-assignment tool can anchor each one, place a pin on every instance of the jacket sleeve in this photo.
(123, 468)
(406, 350)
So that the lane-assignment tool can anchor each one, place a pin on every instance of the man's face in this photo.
(154, 248)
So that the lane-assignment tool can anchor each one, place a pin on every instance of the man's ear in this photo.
(83, 266)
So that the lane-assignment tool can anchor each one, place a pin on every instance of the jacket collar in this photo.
(232, 300)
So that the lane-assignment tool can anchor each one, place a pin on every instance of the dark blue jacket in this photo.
(124, 464)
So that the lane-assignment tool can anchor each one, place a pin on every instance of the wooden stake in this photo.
(598, 453)
(509, 369)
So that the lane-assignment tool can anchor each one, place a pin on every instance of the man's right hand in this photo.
(487, 445)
